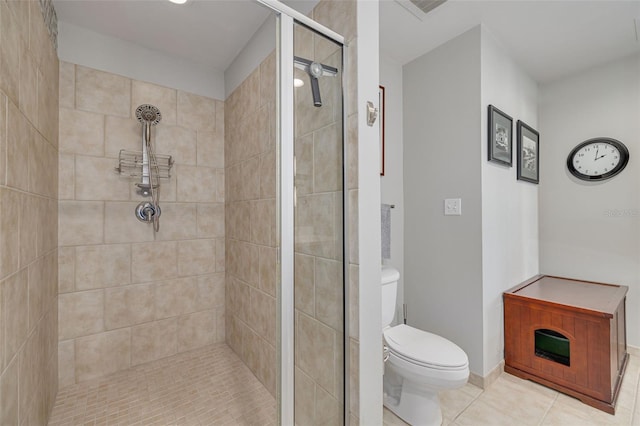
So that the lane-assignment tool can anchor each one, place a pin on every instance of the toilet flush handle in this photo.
(385, 353)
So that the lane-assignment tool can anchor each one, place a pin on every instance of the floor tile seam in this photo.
(546, 413)
(467, 406)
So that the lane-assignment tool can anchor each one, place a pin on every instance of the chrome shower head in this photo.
(148, 114)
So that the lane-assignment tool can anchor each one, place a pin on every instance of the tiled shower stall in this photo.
(87, 290)
(127, 297)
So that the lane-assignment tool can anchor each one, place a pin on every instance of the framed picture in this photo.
(381, 102)
(528, 153)
(500, 137)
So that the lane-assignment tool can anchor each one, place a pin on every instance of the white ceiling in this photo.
(208, 32)
(548, 39)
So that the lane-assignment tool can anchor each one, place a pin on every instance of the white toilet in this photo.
(419, 364)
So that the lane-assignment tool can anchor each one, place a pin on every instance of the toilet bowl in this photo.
(419, 364)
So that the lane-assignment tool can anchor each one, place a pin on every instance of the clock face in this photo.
(598, 159)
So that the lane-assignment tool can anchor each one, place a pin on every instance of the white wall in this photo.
(391, 184)
(81, 46)
(591, 230)
(370, 328)
(443, 254)
(509, 206)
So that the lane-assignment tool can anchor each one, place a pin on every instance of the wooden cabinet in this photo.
(589, 317)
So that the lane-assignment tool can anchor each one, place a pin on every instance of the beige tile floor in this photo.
(510, 401)
(208, 386)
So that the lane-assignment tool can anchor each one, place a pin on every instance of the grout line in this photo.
(548, 409)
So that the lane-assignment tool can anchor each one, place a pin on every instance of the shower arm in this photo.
(315, 70)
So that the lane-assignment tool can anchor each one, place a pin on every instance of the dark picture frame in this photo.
(500, 137)
(528, 153)
(381, 124)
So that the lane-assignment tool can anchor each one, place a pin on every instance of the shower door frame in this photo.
(285, 19)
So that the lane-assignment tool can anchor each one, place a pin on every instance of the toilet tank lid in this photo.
(389, 274)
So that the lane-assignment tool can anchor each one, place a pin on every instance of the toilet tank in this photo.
(389, 278)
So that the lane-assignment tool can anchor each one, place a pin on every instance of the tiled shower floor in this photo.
(208, 386)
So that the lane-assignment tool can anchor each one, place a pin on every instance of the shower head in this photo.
(148, 114)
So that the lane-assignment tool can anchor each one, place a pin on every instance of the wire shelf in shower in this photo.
(133, 164)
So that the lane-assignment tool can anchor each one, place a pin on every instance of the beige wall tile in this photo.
(304, 284)
(19, 138)
(9, 231)
(48, 233)
(81, 132)
(211, 291)
(196, 330)
(250, 183)
(43, 167)
(15, 309)
(262, 315)
(48, 82)
(196, 112)
(66, 177)
(196, 184)
(268, 269)
(96, 179)
(354, 302)
(338, 15)
(353, 226)
(102, 266)
(315, 349)
(81, 313)
(268, 79)
(176, 141)
(268, 174)
(28, 85)
(220, 255)
(154, 261)
(248, 263)
(154, 340)
(9, 389)
(305, 398)
(10, 34)
(220, 325)
(163, 98)
(29, 216)
(67, 363)
(176, 297)
(80, 222)
(263, 219)
(327, 158)
(67, 87)
(315, 225)
(102, 354)
(210, 220)
(178, 222)
(122, 226)
(352, 151)
(329, 288)
(304, 164)
(121, 133)
(210, 149)
(327, 408)
(3, 139)
(129, 305)
(102, 92)
(66, 269)
(196, 257)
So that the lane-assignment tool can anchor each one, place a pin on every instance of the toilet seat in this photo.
(425, 349)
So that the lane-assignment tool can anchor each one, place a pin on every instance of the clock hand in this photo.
(597, 150)
(603, 155)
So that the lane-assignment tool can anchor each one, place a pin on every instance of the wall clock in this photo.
(598, 159)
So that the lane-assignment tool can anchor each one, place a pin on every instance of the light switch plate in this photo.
(453, 206)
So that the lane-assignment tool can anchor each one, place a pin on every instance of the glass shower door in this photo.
(319, 274)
